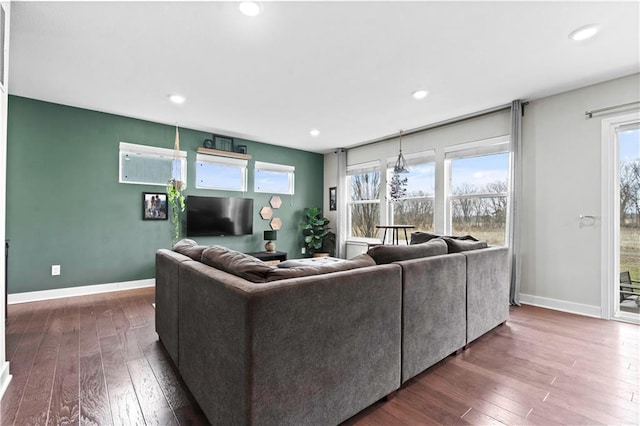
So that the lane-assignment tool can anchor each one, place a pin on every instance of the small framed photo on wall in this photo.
(154, 206)
(333, 198)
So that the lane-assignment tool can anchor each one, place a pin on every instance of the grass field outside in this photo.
(630, 251)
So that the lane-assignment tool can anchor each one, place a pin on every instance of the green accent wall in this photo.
(66, 207)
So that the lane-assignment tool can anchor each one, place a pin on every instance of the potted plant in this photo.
(314, 230)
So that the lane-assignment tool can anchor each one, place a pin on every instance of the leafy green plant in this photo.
(314, 229)
(176, 205)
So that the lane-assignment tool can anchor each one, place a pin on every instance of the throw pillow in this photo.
(459, 245)
(189, 248)
(236, 263)
(386, 254)
(419, 237)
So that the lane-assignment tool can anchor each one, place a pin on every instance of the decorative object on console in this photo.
(276, 223)
(275, 202)
(271, 236)
(266, 213)
(154, 206)
(314, 230)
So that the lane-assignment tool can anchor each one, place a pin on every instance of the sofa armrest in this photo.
(312, 350)
(167, 281)
(487, 290)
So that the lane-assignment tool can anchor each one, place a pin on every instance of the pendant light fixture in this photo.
(401, 163)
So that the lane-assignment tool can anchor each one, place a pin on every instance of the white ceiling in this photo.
(346, 68)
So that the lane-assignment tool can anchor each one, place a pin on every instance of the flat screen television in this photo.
(216, 216)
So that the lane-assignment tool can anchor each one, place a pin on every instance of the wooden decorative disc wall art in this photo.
(275, 202)
(266, 213)
(276, 223)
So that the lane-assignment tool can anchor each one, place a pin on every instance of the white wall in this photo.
(561, 177)
(4, 366)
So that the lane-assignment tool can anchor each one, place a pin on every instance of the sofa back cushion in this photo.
(386, 254)
(234, 262)
(189, 248)
(320, 268)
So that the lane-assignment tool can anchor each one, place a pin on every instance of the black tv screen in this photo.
(215, 216)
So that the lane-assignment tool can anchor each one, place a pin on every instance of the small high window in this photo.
(274, 178)
(227, 174)
(148, 165)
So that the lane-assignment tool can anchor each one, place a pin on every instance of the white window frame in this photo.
(480, 148)
(357, 169)
(135, 150)
(203, 159)
(277, 168)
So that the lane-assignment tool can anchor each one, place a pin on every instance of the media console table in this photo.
(271, 257)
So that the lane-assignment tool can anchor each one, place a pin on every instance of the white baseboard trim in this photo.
(5, 378)
(34, 296)
(561, 305)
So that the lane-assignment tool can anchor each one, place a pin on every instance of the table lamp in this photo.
(271, 236)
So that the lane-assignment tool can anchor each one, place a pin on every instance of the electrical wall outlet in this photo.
(55, 269)
(303, 250)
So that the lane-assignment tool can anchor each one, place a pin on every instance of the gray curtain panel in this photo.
(341, 235)
(516, 197)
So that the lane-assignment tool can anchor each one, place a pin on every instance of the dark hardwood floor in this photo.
(96, 360)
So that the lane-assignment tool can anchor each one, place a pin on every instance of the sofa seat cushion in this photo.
(297, 269)
(189, 248)
(458, 246)
(383, 254)
(234, 262)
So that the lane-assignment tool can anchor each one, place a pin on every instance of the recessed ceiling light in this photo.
(250, 8)
(177, 99)
(314, 132)
(584, 33)
(419, 94)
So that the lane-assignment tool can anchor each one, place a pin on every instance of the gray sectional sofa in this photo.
(314, 345)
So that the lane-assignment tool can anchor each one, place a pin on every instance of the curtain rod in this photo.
(435, 125)
(589, 114)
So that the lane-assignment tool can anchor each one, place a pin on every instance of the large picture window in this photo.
(417, 208)
(477, 195)
(364, 199)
